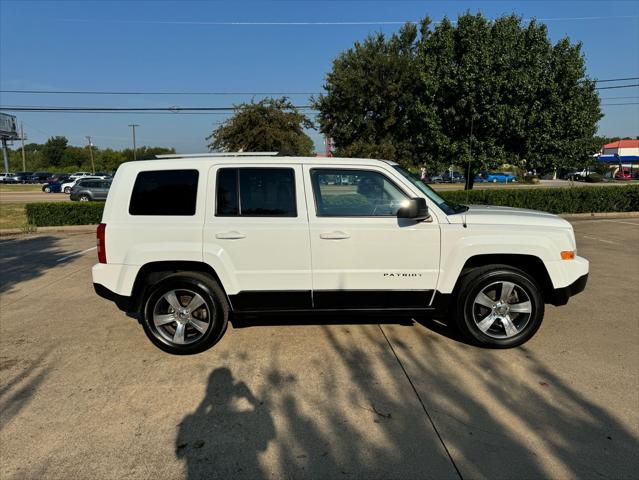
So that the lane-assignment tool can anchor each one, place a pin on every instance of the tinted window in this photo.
(268, 192)
(227, 180)
(164, 192)
(90, 184)
(355, 193)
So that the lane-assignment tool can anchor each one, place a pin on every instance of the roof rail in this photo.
(218, 154)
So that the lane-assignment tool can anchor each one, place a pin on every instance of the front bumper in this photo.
(560, 296)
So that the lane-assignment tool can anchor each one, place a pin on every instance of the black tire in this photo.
(215, 300)
(46, 189)
(477, 279)
(84, 198)
(67, 190)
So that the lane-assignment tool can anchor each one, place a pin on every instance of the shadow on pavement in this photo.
(18, 391)
(227, 431)
(501, 415)
(26, 258)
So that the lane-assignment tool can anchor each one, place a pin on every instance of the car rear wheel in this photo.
(84, 198)
(47, 189)
(67, 190)
(499, 306)
(185, 313)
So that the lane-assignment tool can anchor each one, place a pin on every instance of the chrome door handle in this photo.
(335, 236)
(230, 235)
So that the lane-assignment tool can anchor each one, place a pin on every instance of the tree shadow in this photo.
(381, 401)
(17, 392)
(227, 431)
(25, 258)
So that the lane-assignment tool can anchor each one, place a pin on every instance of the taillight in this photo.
(101, 242)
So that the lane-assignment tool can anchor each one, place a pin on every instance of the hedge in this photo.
(554, 200)
(64, 213)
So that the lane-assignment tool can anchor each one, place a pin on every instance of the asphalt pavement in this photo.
(84, 394)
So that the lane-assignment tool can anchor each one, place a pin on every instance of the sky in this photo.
(248, 48)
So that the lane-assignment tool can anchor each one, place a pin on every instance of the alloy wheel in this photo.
(181, 317)
(502, 309)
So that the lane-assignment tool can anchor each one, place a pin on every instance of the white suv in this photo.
(185, 243)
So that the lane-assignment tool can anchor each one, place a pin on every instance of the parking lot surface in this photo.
(84, 394)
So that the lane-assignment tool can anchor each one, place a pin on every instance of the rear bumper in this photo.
(560, 296)
(124, 303)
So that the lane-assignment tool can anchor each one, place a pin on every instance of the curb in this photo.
(599, 215)
(62, 228)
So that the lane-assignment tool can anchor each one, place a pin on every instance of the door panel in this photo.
(364, 261)
(262, 253)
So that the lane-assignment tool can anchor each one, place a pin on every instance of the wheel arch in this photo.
(531, 264)
(153, 272)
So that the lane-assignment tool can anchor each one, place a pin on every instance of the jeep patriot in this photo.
(188, 240)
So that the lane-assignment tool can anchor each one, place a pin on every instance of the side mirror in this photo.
(415, 209)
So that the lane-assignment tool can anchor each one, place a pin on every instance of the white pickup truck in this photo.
(186, 241)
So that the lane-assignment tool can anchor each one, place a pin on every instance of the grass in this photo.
(12, 215)
(18, 187)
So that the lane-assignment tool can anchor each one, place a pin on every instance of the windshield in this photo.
(447, 207)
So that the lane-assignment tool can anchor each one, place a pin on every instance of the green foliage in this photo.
(415, 96)
(271, 125)
(64, 213)
(554, 200)
(56, 155)
(53, 151)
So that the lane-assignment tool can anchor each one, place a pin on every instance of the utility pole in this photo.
(133, 125)
(24, 158)
(88, 137)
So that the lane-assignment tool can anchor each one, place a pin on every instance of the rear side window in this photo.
(164, 192)
(256, 192)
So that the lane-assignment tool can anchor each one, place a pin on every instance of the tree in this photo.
(268, 125)
(53, 151)
(372, 104)
(478, 93)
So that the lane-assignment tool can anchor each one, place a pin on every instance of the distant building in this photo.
(623, 154)
(621, 148)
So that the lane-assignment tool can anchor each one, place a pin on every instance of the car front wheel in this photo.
(499, 306)
(84, 198)
(185, 313)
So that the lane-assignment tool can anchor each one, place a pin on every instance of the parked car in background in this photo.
(454, 177)
(502, 177)
(480, 178)
(7, 177)
(20, 177)
(435, 179)
(79, 174)
(623, 174)
(578, 175)
(89, 190)
(66, 186)
(52, 187)
(58, 177)
(38, 177)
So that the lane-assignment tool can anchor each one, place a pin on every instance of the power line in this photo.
(618, 86)
(140, 92)
(611, 104)
(176, 109)
(103, 92)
